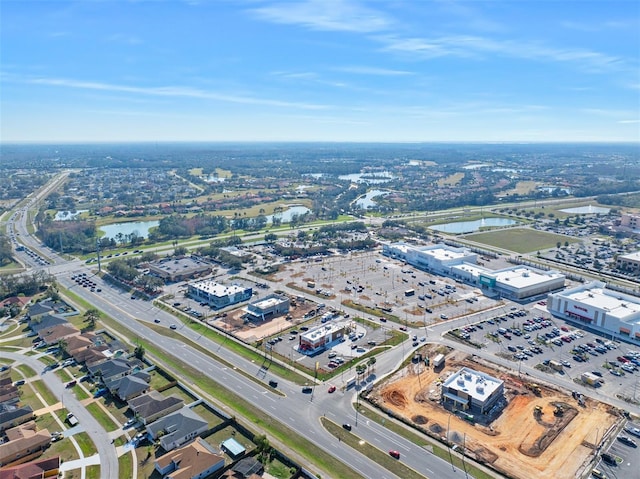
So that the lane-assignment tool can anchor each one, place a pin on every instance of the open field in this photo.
(520, 240)
(519, 442)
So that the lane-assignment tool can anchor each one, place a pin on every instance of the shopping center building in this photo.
(514, 283)
(601, 309)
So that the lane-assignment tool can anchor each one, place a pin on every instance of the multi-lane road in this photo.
(300, 412)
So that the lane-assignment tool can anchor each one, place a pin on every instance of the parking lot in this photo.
(622, 457)
(531, 336)
(370, 280)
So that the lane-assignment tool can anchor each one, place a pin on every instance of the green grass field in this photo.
(520, 240)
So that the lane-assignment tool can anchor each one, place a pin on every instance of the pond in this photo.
(587, 210)
(366, 201)
(286, 215)
(140, 227)
(471, 226)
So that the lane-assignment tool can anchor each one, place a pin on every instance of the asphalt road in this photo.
(100, 438)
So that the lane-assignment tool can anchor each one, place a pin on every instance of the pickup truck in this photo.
(72, 420)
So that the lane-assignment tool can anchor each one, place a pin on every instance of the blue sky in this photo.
(319, 70)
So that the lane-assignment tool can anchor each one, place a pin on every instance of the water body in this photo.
(140, 227)
(587, 210)
(366, 201)
(67, 215)
(472, 226)
(287, 214)
(372, 178)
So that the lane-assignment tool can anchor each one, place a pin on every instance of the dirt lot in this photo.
(521, 442)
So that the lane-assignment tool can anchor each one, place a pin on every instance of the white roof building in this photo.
(600, 308)
(471, 390)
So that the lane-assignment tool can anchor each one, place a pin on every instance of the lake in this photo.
(372, 178)
(471, 226)
(287, 214)
(140, 227)
(366, 201)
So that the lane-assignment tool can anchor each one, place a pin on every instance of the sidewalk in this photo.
(78, 463)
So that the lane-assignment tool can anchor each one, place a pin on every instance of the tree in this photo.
(91, 316)
(139, 352)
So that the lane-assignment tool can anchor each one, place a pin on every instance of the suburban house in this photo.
(39, 309)
(38, 469)
(153, 405)
(130, 386)
(24, 444)
(13, 417)
(9, 394)
(177, 428)
(248, 468)
(112, 369)
(196, 460)
(45, 321)
(58, 333)
(15, 302)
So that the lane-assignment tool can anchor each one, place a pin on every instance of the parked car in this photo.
(627, 440)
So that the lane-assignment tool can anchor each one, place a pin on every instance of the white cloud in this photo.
(328, 15)
(174, 91)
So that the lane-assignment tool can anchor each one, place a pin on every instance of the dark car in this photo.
(627, 440)
(347, 426)
(307, 390)
(273, 384)
(609, 459)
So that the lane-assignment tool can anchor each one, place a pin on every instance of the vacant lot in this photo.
(521, 442)
(520, 240)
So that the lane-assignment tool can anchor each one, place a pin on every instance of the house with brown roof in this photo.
(24, 444)
(17, 301)
(196, 460)
(38, 469)
(92, 355)
(57, 333)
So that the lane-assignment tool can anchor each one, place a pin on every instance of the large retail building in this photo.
(515, 282)
(602, 309)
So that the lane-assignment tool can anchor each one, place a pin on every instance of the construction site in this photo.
(537, 431)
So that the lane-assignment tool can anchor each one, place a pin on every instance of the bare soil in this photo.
(521, 442)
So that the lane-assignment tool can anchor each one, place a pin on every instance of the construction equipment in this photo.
(559, 410)
(534, 388)
(537, 412)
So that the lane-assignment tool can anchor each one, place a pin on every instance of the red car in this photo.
(395, 454)
(332, 389)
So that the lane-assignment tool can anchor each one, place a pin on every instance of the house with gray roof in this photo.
(46, 321)
(153, 405)
(177, 428)
(12, 417)
(130, 386)
(117, 368)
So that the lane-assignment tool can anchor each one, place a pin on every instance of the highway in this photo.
(300, 412)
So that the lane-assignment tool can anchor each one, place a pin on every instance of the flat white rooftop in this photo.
(472, 269)
(266, 303)
(622, 308)
(217, 289)
(444, 254)
(321, 331)
(631, 256)
(476, 384)
(522, 277)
